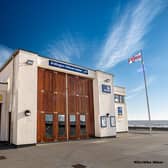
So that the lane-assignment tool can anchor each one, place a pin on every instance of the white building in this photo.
(120, 109)
(46, 100)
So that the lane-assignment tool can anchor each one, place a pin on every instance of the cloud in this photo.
(128, 33)
(5, 53)
(137, 90)
(66, 48)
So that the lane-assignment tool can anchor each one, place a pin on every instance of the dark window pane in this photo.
(120, 112)
(72, 125)
(49, 130)
(118, 98)
(82, 124)
(49, 125)
(61, 125)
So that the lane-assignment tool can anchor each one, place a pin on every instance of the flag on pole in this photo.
(135, 58)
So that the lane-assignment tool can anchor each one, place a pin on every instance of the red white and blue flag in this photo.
(135, 58)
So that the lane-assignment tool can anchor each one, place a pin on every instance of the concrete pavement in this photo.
(129, 150)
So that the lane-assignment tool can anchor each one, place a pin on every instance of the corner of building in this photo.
(120, 109)
(104, 106)
(27, 98)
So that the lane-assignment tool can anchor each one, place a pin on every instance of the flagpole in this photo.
(146, 92)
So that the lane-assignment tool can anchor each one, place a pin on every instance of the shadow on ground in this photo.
(5, 145)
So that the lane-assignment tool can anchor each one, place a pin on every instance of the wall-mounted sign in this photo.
(112, 121)
(1, 98)
(67, 67)
(103, 121)
(106, 88)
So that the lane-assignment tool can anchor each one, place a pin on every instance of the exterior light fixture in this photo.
(27, 113)
(29, 62)
(107, 114)
(107, 80)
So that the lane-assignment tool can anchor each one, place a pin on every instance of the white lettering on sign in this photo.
(68, 67)
(106, 88)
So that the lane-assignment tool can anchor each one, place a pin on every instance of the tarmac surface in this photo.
(129, 150)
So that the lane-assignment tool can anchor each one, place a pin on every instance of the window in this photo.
(49, 125)
(82, 124)
(119, 98)
(61, 125)
(122, 99)
(103, 120)
(120, 111)
(112, 121)
(116, 98)
(72, 119)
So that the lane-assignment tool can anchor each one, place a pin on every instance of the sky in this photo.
(99, 35)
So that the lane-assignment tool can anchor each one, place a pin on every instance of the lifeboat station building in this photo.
(47, 100)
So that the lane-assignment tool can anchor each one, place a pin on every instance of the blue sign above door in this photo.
(67, 67)
(106, 88)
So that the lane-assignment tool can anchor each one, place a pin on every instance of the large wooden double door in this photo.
(65, 107)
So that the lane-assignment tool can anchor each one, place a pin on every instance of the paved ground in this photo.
(120, 152)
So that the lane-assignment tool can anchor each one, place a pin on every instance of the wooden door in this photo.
(51, 125)
(45, 121)
(80, 107)
(55, 120)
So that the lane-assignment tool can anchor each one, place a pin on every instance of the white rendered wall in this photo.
(23, 129)
(121, 121)
(103, 104)
(27, 99)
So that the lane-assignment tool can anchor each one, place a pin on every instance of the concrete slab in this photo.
(128, 150)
